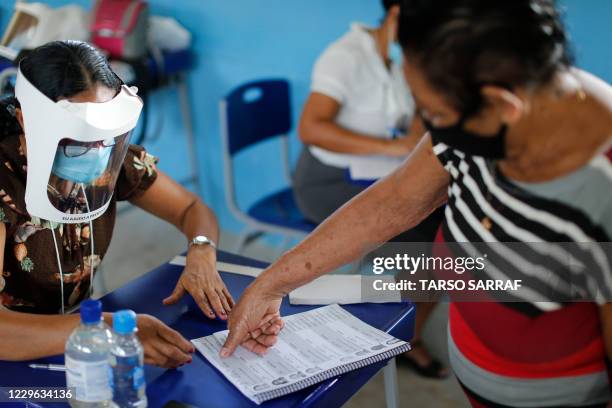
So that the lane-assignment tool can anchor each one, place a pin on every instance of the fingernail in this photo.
(224, 352)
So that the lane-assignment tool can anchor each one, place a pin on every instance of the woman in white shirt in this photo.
(359, 112)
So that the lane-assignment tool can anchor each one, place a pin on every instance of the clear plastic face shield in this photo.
(84, 174)
(75, 151)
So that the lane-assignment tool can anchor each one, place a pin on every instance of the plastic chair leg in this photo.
(391, 387)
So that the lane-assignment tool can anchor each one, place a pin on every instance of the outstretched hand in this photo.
(202, 280)
(254, 323)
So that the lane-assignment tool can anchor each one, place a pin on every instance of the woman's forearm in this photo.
(200, 220)
(30, 336)
(170, 201)
(351, 232)
(391, 206)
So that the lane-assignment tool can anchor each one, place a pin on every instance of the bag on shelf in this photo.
(120, 27)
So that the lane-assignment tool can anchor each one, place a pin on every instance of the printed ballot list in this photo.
(312, 347)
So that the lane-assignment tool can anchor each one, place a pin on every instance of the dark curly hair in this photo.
(462, 44)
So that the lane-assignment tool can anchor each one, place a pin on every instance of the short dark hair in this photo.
(59, 69)
(462, 44)
(387, 4)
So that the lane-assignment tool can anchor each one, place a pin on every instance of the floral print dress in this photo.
(30, 279)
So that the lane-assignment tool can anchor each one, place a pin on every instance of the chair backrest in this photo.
(256, 111)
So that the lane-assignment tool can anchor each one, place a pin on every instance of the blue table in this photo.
(199, 383)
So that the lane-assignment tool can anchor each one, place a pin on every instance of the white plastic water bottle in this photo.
(87, 353)
(126, 361)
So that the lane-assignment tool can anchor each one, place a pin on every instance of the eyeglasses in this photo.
(73, 148)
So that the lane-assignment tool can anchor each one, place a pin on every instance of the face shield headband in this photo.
(74, 151)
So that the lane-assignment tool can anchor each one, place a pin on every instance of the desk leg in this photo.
(188, 124)
(391, 390)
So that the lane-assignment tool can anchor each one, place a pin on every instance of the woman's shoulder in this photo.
(340, 52)
(350, 46)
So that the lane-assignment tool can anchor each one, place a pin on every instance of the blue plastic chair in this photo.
(251, 113)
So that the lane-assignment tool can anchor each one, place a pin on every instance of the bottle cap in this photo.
(124, 322)
(91, 311)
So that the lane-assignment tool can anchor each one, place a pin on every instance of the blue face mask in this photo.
(81, 169)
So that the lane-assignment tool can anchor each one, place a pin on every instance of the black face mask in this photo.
(455, 136)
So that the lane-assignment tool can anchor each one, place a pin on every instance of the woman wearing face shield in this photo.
(519, 150)
(47, 267)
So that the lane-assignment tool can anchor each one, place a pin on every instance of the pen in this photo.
(50, 367)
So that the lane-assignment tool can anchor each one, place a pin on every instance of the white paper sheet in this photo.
(343, 289)
(312, 347)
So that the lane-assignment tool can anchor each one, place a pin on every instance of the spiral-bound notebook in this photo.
(313, 346)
